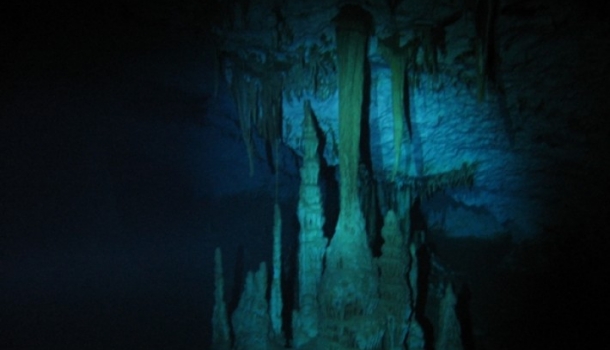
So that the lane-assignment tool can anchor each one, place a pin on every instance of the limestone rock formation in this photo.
(349, 294)
(448, 83)
(251, 322)
(220, 323)
(394, 290)
(311, 238)
(449, 330)
(276, 303)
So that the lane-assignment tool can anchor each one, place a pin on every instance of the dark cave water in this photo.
(148, 286)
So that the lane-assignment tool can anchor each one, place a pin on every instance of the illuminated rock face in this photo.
(465, 150)
(352, 301)
(357, 302)
(514, 134)
(349, 295)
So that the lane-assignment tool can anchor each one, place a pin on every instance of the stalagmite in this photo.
(311, 238)
(449, 330)
(349, 292)
(275, 307)
(220, 322)
(415, 338)
(251, 323)
(413, 272)
(394, 291)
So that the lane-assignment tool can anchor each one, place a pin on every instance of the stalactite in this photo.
(397, 64)
(216, 70)
(484, 22)
(397, 58)
(351, 53)
(245, 93)
(349, 289)
(393, 195)
(257, 88)
(368, 200)
(481, 76)
(269, 122)
(430, 63)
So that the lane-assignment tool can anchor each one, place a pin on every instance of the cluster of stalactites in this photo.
(259, 106)
(399, 195)
(245, 93)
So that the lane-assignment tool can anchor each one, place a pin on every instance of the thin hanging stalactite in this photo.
(397, 58)
(245, 92)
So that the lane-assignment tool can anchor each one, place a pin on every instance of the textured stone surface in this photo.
(541, 111)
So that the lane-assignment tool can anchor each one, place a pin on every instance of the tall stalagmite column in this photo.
(449, 329)
(251, 322)
(349, 290)
(311, 238)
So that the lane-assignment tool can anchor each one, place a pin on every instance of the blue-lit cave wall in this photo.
(529, 138)
(450, 128)
(535, 136)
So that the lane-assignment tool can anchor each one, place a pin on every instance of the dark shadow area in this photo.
(462, 310)
(329, 187)
(540, 293)
(289, 290)
(418, 220)
(425, 269)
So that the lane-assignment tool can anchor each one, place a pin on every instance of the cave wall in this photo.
(510, 88)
